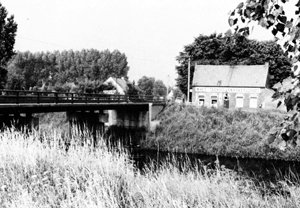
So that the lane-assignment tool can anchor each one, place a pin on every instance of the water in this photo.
(260, 170)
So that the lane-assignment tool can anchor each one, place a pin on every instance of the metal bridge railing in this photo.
(39, 97)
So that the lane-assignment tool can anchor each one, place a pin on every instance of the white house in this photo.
(238, 86)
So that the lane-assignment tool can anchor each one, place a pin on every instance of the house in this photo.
(173, 97)
(238, 86)
(119, 86)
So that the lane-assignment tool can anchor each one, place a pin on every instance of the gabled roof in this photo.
(122, 83)
(231, 76)
(118, 83)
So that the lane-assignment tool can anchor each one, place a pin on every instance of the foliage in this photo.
(8, 29)
(83, 71)
(35, 174)
(146, 85)
(276, 16)
(221, 132)
(177, 93)
(150, 86)
(159, 88)
(232, 50)
(133, 90)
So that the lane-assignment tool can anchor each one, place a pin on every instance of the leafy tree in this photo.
(34, 69)
(133, 90)
(159, 88)
(146, 84)
(8, 29)
(286, 29)
(87, 69)
(231, 50)
(150, 86)
(177, 93)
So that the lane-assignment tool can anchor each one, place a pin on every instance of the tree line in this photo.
(83, 71)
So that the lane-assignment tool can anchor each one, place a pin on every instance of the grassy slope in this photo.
(218, 132)
(38, 175)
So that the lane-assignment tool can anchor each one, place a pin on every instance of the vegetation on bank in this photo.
(221, 132)
(35, 174)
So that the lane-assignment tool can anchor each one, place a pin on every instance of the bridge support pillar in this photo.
(127, 126)
(149, 116)
(23, 121)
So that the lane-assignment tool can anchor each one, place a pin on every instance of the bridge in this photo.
(87, 108)
(17, 101)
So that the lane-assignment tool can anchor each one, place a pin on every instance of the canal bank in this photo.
(230, 133)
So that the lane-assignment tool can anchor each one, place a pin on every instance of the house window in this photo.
(214, 101)
(201, 100)
(239, 101)
(253, 102)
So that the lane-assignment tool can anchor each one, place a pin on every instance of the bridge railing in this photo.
(39, 97)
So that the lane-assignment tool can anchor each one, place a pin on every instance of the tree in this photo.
(87, 69)
(150, 86)
(177, 93)
(8, 29)
(231, 50)
(286, 29)
(159, 88)
(146, 84)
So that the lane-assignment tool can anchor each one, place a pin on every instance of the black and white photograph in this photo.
(149, 103)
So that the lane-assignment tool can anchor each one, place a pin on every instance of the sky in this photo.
(150, 32)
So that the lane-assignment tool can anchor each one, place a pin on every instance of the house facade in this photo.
(238, 86)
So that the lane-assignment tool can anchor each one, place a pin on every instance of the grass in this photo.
(42, 174)
(221, 132)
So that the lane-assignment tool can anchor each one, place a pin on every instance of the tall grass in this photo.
(222, 132)
(42, 174)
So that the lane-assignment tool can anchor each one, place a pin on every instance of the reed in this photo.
(37, 171)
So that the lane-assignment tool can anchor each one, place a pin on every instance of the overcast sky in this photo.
(150, 32)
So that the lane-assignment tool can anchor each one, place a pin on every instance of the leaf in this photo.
(262, 22)
(288, 102)
(295, 67)
(232, 22)
(244, 31)
(247, 12)
(282, 18)
(240, 5)
(276, 95)
(279, 103)
(289, 24)
(291, 48)
(274, 31)
(280, 27)
(271, 17)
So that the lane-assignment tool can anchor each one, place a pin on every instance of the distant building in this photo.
(172, 97)
(120, 86)
(239, 86)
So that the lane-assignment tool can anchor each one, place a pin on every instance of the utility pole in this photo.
(189, 77)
